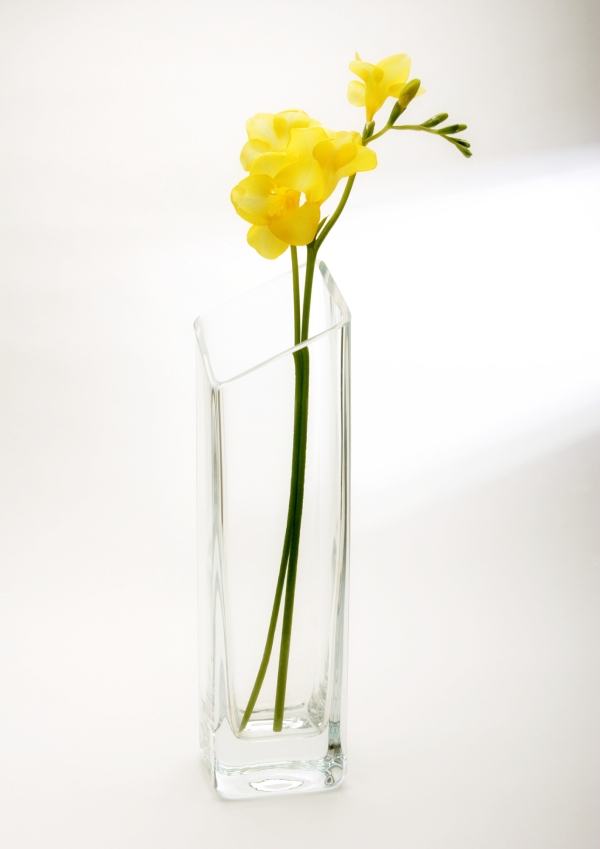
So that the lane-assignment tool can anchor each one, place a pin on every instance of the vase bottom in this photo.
(287, 777)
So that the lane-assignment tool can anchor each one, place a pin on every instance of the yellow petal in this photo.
(366, 71)
(302, 141)
(395, 68)
(297, 226)
(356, 93)
(268, 163)
(344, 154)
(252, 149)
(260, 127)
(304, 175)
(364, 160)
(254, 200)
(263, 241)
(283, 122)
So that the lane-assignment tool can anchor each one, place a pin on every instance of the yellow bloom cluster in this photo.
(289, 155)
(385, 79)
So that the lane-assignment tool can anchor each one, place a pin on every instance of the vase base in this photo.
(271, 779)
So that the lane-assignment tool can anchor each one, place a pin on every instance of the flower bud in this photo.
(368, 131)
(454, 128)
(407, 94)
(395, 113)
(437, 119)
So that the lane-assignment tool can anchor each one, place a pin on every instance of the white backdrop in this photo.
(474, 696)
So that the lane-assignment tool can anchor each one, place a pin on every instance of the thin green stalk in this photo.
(340, 208)
(319, 239)
(298, 364)
(300, 472)
(296, 285)
(288, 609)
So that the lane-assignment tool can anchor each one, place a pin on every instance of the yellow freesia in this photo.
(278, 220)
(289, 155)
(268, 133)
(315, 160)
(385, 79)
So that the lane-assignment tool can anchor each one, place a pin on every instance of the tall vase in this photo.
(250, 379)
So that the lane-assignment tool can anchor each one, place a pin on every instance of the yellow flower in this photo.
(380, 81)
(289, 155)
(278, 220)
(267, 132)
(318, 159)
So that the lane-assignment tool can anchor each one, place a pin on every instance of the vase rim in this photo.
(329, 284)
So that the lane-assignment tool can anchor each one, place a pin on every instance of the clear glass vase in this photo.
(250, 379)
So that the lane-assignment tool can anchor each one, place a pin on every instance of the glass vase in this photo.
(260, 736)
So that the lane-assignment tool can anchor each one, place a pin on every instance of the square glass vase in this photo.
(257, 737)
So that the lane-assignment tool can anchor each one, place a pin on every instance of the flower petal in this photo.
(302, 141)
(366, 71)
(297, 226)
(260, 126)
(252, 149)
(304, 175)
(268, 163)
(395, 68)
(364, 160)
(283, 122)
(254, 200)
(356, 93)
(263, 241)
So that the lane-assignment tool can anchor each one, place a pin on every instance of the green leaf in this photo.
(461, 142)
(437, 119)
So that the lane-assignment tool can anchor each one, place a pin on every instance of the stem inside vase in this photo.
(291, 545)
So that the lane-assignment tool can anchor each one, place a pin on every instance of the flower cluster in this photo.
(294, 165)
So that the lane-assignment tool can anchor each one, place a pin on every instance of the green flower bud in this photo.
(437, 119)
(368, 131)
(465, 151)
(408, 93)
(395, 114)
(453, 128)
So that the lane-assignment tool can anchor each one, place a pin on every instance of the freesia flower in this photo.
(385, 79)
(319, 159)
(278, 220)
(290, 155)
(267, 132)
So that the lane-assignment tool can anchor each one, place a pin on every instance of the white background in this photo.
(474, 693)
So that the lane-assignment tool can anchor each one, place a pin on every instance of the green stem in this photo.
(296, 285)
(290, 590)
(419, 128)
(298, 364)
(340, 208)
(378, 135)
(299, 467)
(317, 242)
(289, 558)
(464, 148)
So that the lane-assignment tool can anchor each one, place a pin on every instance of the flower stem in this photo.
(289, 558)
(298, 364)
(299, 472)
(284, 556)
(296, 286)
(339, 209)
